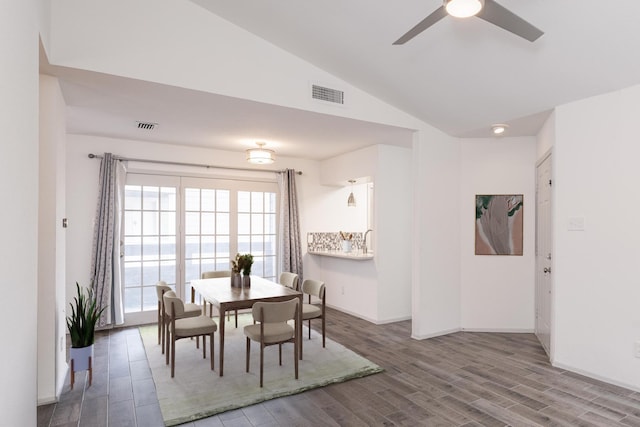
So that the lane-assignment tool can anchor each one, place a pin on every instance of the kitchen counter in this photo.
(355, 255)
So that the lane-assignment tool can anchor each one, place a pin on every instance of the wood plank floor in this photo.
(462, 379)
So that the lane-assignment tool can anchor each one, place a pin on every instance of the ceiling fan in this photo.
(488, 10)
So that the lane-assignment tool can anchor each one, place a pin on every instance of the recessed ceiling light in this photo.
(499, 129)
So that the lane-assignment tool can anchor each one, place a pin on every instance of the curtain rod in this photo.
(199, 165)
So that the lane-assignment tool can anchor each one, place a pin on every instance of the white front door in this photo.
(543, 253)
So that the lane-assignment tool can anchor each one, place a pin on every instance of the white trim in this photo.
(436, 334)
(368, 319)
(595, 376)
(499, 330)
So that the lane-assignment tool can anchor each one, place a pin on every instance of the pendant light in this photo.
(260, 155)
(351, 201)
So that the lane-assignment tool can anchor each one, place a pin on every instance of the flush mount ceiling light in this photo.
(463, 8)
(260, 155)
(351, 201)
(499, 129)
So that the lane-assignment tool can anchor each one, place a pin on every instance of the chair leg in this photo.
(159, 325)
(280, 353)
(236, 319)
(248, 352)
(173, 356)
(204, 346)
(212, 344)
(166, 343)
(261, 363)
(323, 337)
(309, 328)
(295, 356)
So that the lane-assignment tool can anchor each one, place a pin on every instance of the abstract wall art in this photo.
(499, 224)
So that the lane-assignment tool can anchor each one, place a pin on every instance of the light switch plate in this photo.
(575, 223)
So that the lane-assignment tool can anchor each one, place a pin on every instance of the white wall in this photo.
(19, 188)
(393, 232)
(497, 292)
(52, 366)
(597, 294)
(436, 234)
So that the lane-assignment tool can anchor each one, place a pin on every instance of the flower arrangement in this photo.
(346, 236)
(242, 263)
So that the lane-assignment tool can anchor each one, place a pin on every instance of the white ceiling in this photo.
(459, 75)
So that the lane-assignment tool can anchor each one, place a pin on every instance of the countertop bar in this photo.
(355, 255)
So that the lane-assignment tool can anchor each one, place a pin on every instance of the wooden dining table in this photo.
(220, 293)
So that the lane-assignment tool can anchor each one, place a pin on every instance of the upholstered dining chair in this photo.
(273, 328)
(214, 275)
(289, 280)
(314, 288)
(179, 327)
(190, 310)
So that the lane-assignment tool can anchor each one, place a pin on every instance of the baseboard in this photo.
(499, 330)
(595, 376)
(368, 319)
(435, 334)
(47, 400)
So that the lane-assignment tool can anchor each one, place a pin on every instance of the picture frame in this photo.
(499, 224)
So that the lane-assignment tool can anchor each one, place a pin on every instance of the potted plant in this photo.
(81, 325)
(244, 263)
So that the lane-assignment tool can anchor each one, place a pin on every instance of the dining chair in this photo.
(190, 310)
(289, 280)
(178, 326)
(273, 328)
(314, 288)
(214, 275)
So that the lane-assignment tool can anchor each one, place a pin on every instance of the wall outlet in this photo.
(342, 291)
(636, 349)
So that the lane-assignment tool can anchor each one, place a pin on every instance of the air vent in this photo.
(147, 125)
(327, 94)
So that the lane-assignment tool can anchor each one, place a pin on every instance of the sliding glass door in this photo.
(178, 227)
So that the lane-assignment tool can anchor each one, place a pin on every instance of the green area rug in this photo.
(197, 392)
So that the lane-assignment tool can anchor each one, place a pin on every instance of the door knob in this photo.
(547, 270)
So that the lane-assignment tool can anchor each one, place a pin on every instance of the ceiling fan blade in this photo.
(503, 18)
(437, 15)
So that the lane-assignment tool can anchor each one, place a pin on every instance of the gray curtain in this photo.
(106, 276)
(290, 246)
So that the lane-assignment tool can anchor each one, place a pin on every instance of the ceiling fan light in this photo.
(463, 8)
(260, 155)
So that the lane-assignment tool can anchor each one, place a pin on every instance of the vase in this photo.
(347, 246)
(236, 280)
(246, 281)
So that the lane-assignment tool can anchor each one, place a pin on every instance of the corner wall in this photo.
(19, 45)
(497, 292)
(596, 315)
(52, 365)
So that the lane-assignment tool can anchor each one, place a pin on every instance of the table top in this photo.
(219, 291)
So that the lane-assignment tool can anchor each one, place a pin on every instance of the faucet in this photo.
(364, 241)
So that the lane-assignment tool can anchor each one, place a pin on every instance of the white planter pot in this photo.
(80, 357)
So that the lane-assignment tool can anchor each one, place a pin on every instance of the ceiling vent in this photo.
(326, 94)
(147, 125)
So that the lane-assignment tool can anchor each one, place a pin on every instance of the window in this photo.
(176, 228)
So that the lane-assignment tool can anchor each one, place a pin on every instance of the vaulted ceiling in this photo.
(460, 76)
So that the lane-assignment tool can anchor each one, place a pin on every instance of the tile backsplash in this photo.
(331, 241)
